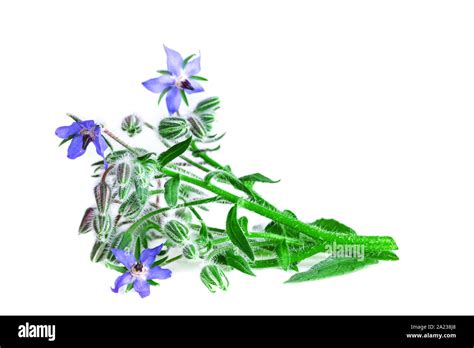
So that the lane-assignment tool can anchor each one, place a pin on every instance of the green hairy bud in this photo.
(172, 128)
(102, 225)
(132, 207)
(208, 105)
(124, 173)
(132, 124)
(208, 121)
(103, 197)
(214, 278)
(99, 251)
(198, 129)
(176, 231)
(191, 251)
(185, 214)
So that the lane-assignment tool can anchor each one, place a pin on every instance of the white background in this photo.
(363, 109)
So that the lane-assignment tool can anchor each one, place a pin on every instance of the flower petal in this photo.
(148, 256)
(75, 148)
(100, 146)
(158, 273)
(99, 142)
(173, 99)
(88, 124)
(193, 67)
(196, 87)
(66, 131)
(124, 279)
(142, 287)
(174, 61)
(124, 257)
(159, 84)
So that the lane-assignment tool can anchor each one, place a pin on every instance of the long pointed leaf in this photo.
(236, 234)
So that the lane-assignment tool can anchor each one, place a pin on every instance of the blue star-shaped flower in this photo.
(177, 80)
(82, 134)
(139, 271)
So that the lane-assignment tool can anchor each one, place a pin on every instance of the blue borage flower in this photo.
(82, 134)
(139, 271)
(177, 80)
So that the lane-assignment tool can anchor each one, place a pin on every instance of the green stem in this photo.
(145, 217)
(294, 258)
(120, 141)
(209, 160)
(187, 159)
(369, 242)
(206, 158)
(260, 235)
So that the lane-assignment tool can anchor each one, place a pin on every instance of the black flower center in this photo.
(183, 83)
(138, 269)
(88, 135)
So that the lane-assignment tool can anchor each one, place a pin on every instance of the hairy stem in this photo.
(370, 242)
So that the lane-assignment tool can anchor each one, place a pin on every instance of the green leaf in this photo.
(162, 94)
(332, 225)
(382, 255)
(236, 234)
(108, 144)
(163, 72)
(75, 118)
(172, 191)
(115, 267)
(277, 228)
(185, 98)
(125, 241)
(332, 266)
(129, 287)
(256, 177)
(69, 139)
(160, 261)
(144, 158)
(244, 223)
(174, 151)
(187, 59)
(197, 78)
(204, 233)
(228, 178)
(152, 282)
(283, 253)
(239, 263)
(138, 248)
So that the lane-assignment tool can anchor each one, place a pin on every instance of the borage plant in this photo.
(144, 198)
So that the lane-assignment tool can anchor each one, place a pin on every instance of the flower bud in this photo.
(99, 251)
(176, 231)
(185, 214)
(214, 278)
(191, 251)
(131, 207)
(132, 124)
(123, 192)
(124, 173)
(102, 225)
(103, 197)
(197, 127)
(86, 223)
(172, 128)
(207, 105)
(208, 121)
